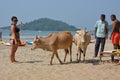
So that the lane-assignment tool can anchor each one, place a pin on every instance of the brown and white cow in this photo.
(81, 38)
(53, 42)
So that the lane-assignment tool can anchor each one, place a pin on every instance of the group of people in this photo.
(101, 33)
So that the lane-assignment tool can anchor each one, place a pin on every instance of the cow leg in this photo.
(52, 58)
(77, 54)
(58, 57)
(71, 54)
(65, 55)
(80, 55)
(84, 52)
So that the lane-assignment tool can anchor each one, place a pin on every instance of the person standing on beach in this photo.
(15, 38)
(0, 36)
(115, 34)
(101, 34)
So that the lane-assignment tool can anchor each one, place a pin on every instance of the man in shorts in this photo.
(115, 34)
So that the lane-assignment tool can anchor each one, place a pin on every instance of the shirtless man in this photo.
(115, 34)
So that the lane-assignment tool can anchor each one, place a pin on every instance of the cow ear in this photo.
(36, 37)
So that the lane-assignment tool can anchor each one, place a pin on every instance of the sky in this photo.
(79, 13)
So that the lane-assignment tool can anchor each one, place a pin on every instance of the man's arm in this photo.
(95, 32)
(95, 29)
(106, 30)
(113, 28)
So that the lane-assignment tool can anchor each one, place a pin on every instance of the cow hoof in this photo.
(51, 63)
(61, 63)
(84, 61)
(77, 61)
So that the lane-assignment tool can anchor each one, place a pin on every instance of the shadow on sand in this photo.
(31, 62)
(90, 61)
(93, 61)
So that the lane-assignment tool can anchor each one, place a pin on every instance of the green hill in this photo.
(46, 24)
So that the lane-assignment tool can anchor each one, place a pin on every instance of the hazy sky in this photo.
(80, 13)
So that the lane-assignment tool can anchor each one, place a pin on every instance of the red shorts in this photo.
(116, 38)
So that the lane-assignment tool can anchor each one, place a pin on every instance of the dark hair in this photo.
(103, 15)
(113, 15)
(13, 17)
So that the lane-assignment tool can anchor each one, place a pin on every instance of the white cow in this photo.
(81, 39)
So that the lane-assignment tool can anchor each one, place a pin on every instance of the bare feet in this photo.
(14, 61)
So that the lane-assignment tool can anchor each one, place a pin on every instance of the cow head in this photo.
(36, 43)
(82, 35)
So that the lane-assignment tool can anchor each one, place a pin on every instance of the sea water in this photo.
(29, 35)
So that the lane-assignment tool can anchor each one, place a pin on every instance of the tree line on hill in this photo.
(46, 24)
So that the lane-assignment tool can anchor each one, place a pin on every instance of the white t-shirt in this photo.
(100, 25)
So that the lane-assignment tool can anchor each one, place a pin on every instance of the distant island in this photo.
(46, 24)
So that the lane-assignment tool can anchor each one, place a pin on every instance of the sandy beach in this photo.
(34, 65)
